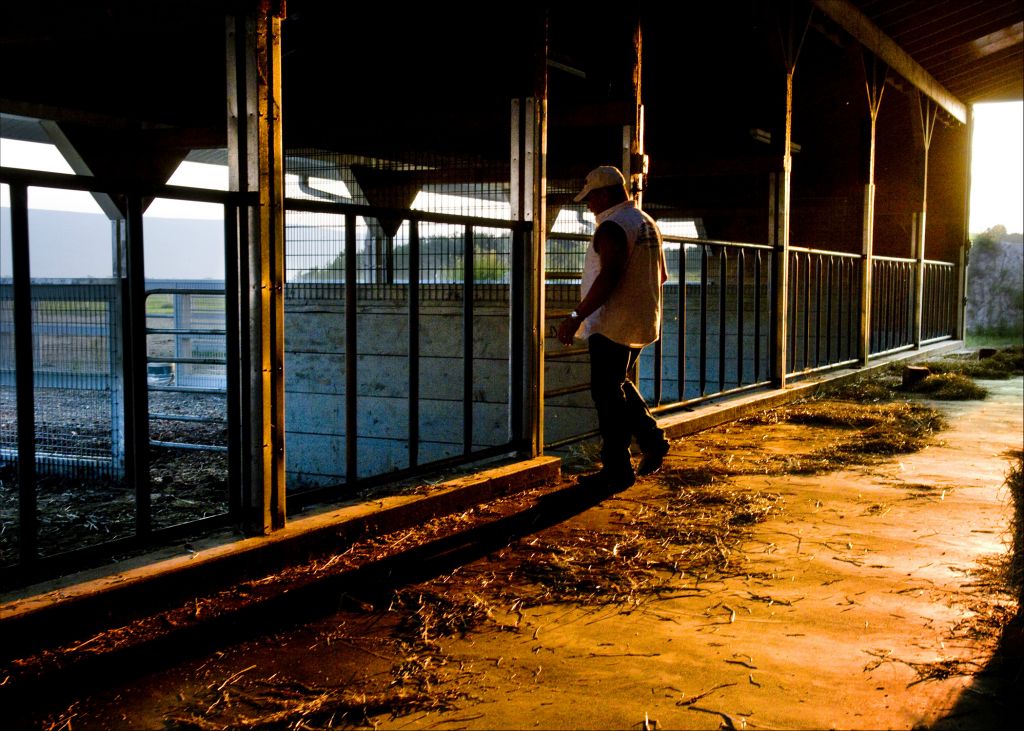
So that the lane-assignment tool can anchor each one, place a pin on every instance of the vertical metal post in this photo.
(517, 404)
(793, 289)
(723, 283)
(929, 113)
(136, 388)
(257, 164)
(757, 316)
(468, 292)
(703, 317)
(874, 87)
(681, 333)
(781, 256)
(740, 303)
(115, 328)
(351, 355)
(232, 319)
(807, 310)
(961, 284)
(28, 524)
(634, 161)
(414, 343)
(533, 209)
(242, 177)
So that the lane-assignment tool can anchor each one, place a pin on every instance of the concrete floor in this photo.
(863, 603)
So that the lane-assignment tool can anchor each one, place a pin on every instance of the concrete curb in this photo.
(75, 604)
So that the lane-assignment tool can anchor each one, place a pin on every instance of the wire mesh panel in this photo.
(406, 366)
(72, 329)
(421, 182)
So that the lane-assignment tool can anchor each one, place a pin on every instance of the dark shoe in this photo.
(652, 459)
(606, 480)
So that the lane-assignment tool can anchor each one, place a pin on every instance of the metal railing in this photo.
(138, 376)
(717, 339)
(892, 304)
(824, 309)
(938, 301)
(462, 285)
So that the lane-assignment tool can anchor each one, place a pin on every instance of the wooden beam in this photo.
(873, 39)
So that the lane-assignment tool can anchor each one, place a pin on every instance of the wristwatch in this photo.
(574, 315)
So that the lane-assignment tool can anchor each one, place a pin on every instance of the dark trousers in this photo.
(622, 412)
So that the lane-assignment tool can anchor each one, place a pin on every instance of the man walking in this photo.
(620, 313)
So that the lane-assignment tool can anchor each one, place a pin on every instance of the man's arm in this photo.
(611, 246)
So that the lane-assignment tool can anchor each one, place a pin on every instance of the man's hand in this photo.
(567, 329)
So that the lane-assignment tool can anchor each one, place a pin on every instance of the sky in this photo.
(997, 167)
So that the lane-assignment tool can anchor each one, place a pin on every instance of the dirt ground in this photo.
(860, 598)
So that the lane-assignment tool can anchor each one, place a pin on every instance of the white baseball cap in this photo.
(603, 177)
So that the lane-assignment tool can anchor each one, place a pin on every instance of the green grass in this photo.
(986, 340)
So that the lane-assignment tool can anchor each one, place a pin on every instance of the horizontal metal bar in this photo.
(405, 214)
(825, 252)
(897, 259)
(683, 405)
(890, 351)
(190, 290)
(937, 339)
(820, 369)
(716, 242)
(189, 417)
(182, 331)
(52, 458)
(38, 179)
(190, 361)
(943, 264)
(572, 440)
(187, 389)
(183, 445)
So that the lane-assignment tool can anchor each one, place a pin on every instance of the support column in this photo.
(537, 286)
(780, 210)
(874, 86)
(929, 112)
(965, 245)
(528, 197)
(780, 203)
(634, 160)
(256, 167)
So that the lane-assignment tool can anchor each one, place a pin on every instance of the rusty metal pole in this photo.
(529, 204)
(256, 163)
(635, 162)
(781, 212)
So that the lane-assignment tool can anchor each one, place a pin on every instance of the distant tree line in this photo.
(995, 284)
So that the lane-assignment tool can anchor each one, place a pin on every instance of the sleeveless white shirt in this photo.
(632, 315)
